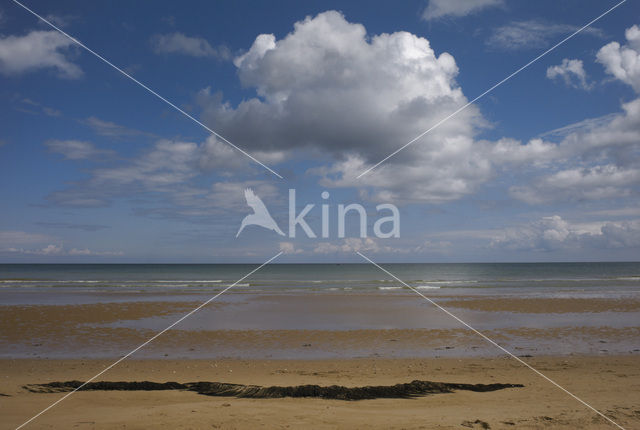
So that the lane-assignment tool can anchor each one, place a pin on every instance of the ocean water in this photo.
(547, 279)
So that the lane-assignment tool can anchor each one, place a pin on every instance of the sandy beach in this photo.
(610, 384)
(599, 363)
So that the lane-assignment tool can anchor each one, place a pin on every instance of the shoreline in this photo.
(322, 326)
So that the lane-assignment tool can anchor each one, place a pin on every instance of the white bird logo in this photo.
(260, 215)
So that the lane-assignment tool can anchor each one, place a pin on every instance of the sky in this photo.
(95, 168)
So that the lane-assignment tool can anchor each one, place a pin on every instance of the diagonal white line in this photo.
(489, 340)
(150, 340)
(76, 41)
(447, 118)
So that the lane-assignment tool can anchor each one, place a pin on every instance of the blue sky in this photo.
(96, 169)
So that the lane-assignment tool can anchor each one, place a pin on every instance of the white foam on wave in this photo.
(454, 282)
(427, 287)
(211, 281)
(389, 288)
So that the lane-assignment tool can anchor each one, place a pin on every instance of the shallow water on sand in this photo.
(560, 308)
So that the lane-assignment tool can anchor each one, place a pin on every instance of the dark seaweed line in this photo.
(337, 392)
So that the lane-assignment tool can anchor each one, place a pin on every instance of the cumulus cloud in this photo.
(553, 232)
(531, 34)
(289, 248)
(571, 72)
(37, 50)
(77, 150)
(597, 159)
(330, 87)
(623, 61)
(178, 43)
(441, 8)
(357, 99)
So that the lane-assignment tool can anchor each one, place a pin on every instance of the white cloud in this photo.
(170, 170)
(161, 169)
(76, 149)
(330, 87)
(441, 8)
(580, 126)
(571, 72)
(623, 62)
(169, 163)
(348, 245)
(37, 50)
(531, 34)
(47, 250)
(357, 99)
(351, 245)
(85, 251)
(553, 232)
(289, 248)
(593, 183)
(509, 152)
(597, 159)
(178, 43)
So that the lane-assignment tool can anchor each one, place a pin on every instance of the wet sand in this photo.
(589, 346)
(322, 327)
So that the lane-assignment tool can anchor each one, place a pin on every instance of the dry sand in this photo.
(610, 384)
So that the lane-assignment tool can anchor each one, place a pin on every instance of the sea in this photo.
(596, 280)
